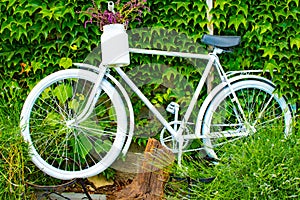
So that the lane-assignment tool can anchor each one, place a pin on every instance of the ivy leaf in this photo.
(65, 62)
(79, 41)
(49, 46)
(185, 5)
(22, 11)
(243, 7)
(237, 21)
(34, 5)
(293, 12)
(295, 41)
(268, 51)
(267, 26)
(46, 13)
(24, 21)
(200, 6)
(271, 66)
(19, 32)
(21, 51)
(268, 5)
(11, 3)
(221, 3)
(7, 24)
(36, 65)
(295, 1)
(279, 11)
(284, 25)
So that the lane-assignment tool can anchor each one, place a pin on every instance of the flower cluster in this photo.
(130, 11)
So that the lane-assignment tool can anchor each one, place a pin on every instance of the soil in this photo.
(121, 180)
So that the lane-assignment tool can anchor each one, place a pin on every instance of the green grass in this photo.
(264, 166)
(13, 154)
(16, 169)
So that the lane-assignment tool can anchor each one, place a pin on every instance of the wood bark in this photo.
(153, 175)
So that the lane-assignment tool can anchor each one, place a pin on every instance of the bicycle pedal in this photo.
(172, 107)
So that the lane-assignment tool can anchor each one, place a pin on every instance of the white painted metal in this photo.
(124, 95)
(210, 26)
(121, 129)
(178, 134)
(225, 92)
(169, 53)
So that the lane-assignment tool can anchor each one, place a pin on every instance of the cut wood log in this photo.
(154, 173)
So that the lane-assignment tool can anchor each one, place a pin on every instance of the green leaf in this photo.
(19, 32)
(279, 11)
(48, 46)
(295, 41)
(243, 7)
(46, 13)
(36, 66)
(294, 12)
(237, 21)
(7, 24)
(62, 93)
(268, 51)
(24, 22)
(184, 5)
(267, 26)
(84, 145)
(271, 66)
(74, 104)
(22, 51)
(34, 5)
(11, 3)
(102, 146)
(52, 119)
(221, 3)
(65, 62)
(200, 7)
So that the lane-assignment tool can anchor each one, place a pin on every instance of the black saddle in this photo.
(221, 41)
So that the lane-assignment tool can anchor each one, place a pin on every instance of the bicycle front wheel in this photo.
(62, 145)
(224, 122)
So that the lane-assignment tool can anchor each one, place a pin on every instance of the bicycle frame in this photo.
(177, 133)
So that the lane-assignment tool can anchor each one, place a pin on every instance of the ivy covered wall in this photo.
(270, 38)
(42, 36)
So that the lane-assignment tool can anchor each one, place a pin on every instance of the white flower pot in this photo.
(114, 45)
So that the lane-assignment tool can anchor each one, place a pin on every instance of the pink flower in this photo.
(130, 11)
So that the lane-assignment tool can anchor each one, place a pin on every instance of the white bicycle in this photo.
(78, 121)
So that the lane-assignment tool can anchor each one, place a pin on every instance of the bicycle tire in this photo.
(79, 150)
(255, 97)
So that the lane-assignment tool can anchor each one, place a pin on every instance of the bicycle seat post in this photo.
(217, 51)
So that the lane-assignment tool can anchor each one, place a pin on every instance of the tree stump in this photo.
(153, 175)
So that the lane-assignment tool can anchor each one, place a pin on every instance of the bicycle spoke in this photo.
(261, 107)
(51, 125)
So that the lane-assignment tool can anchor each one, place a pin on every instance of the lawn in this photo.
(263, 166)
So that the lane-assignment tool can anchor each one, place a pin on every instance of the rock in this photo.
(100, 181)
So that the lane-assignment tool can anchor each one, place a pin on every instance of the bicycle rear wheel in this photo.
(224, 123)
(82, 148)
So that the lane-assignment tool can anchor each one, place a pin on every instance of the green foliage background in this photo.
(38, 37)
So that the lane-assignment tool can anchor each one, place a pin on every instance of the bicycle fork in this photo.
(92, 99)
